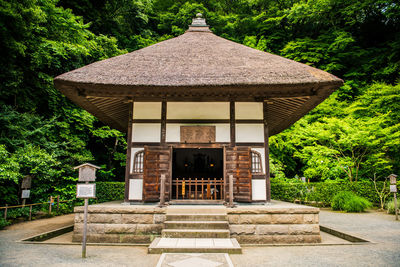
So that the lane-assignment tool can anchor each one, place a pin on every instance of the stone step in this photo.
(195, 233)
(194, 245)
(196, 225)
(197, 217)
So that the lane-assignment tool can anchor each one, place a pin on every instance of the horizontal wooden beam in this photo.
(255, 121)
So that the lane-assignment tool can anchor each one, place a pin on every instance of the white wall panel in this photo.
(258, 189)
(222, 133)
(173, 132)
(146, 132)
(147, 110)
(249, 133)
(135, 189)
(249, 110)
(197, 110)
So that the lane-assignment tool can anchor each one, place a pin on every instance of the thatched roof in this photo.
(195, 64)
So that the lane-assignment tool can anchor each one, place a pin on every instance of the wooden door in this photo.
(157, 161)
(238, 164)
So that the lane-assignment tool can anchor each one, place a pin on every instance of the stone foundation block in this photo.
(312, 239)
(242, 229)
(254, 239)
(137, 218)
(233, 219)
(120, 228)
(255, 219)
(303, 229)
(272, 229)
(92, 228)
(138, 239)
(78, 218)
(159, 218)
(288, 239)
(104, 218)
(287, 218)
(310, 218)
(149, 228)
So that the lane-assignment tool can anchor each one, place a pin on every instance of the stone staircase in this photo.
(197, 229)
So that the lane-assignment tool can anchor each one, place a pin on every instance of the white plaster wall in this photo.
(249, 110)
(133, 152)
(172, 132)
(258, 189)
(147, 110)
(197, 110)
(222, 131)
(262, 153)
(146, 132)
(135, 189)
(249, 133)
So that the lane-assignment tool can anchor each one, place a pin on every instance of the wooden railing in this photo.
(198, 188)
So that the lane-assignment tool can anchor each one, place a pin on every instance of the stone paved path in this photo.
(377, 227)
(194, 260)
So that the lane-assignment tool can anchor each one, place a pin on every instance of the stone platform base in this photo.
(276, 223)
(117, 223)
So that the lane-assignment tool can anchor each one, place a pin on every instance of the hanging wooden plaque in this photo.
(197, 134)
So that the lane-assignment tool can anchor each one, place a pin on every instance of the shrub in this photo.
(349, 202)
(390, 206)
(322, 192)
(3, 223)
(109, 191)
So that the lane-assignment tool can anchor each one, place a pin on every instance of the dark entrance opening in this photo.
(197, 173)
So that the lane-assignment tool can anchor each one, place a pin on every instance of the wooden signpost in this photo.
(25, 186)
(87, 173)
(393, 189)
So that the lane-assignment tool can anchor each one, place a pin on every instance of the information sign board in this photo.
(393, 188)
(26, 182)
(86, 190)
(25, 193)
(87, 174)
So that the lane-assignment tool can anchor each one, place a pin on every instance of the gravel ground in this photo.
(378, 227)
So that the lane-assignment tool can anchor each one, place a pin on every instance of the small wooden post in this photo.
(266, 152)
(396, 210)
(231, 191)
(393, 188)
(58, 203)
(162, 191)
(23, 202)
(50, 202)
(30, 212)
(85, 227)
(177, 188)
(5, 212)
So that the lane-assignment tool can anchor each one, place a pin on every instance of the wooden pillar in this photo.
(266, 150)
(232, 121)
(163, 122)
(128, 151)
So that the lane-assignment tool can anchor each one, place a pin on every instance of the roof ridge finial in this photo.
(199, 21)
(199, 24)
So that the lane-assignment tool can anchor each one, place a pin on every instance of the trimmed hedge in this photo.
(109, 191)
(322, 192)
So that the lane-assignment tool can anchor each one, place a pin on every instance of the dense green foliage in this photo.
(109, 191)
(321, 193)
(351, 136)
(349, 202)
